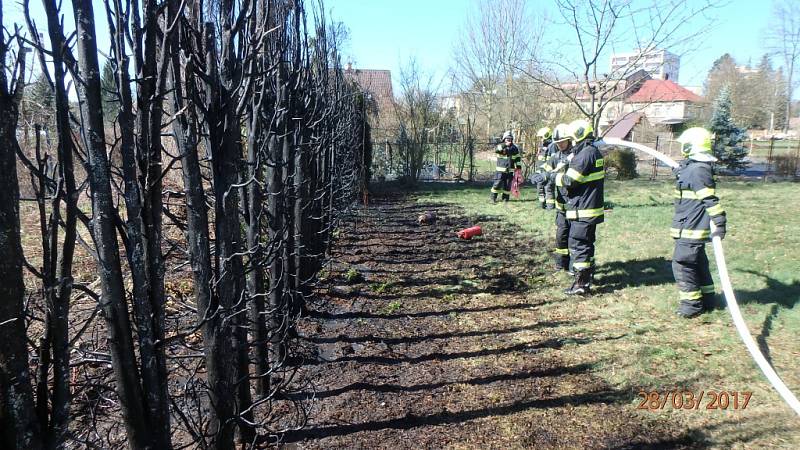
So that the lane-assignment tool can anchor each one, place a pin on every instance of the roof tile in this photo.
(663, 91)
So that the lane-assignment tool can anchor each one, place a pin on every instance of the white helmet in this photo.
(561, 133)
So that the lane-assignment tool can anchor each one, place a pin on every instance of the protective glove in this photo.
(718, 227)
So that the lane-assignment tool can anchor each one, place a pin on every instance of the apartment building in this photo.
(660, 64)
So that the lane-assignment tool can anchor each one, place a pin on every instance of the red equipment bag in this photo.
(516, 183)
(468, 233)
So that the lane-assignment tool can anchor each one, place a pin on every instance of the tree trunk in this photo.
(255, 274)
(216, 337)
(20, 429)
(58, 318)
(149, 298)
(105, 238)
(224, 134)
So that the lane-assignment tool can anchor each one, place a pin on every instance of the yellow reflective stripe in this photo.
(547, 167)
(550, 200)
(561, 251)
(501, 169)
(715, 210)
(575, 175)
(691, 295)
(541, 157)
(560, 179)
(697, 195)
(599, 162)
(494, 191)
(584, 213)
(541, 198)
(561, 206)
(709, 289)
(560, 165)
(704, 193)
(689, 234)
(581, 265)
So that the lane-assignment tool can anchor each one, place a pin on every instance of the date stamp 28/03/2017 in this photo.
(687, 400)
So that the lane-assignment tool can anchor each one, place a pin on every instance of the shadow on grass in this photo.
(777, 292)
(441, 312)
(479, 381)
(410, 421)
(779, 295)
(618, 275)
(526, 347)
(423, 338)
(728, 434)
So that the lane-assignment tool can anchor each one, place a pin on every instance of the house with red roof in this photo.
(664, 102)
(377, 84)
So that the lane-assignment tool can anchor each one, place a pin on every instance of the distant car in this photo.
(431, 172)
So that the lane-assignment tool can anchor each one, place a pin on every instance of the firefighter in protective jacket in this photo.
(582, 187)
(698, 217)
(546, 150)
(558, 163)
(508, 159)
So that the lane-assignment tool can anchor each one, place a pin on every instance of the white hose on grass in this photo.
(727, 288)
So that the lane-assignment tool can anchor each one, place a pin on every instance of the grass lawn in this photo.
(654, 349)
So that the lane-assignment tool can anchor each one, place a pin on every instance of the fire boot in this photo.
(690, 308)
(561, 262)
(582, 283)
(493, 198)
(711, 301)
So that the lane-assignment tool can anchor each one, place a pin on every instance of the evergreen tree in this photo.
(728, 137)
(38, 105)
(109, 92)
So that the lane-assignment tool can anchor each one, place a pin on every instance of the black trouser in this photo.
(581, 244)
(692, 275)
(502, 185)
(550, 195)
(541, 189)
(562, 241)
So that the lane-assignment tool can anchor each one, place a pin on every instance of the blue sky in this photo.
(384, 34)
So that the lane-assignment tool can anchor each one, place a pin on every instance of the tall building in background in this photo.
(660, 64)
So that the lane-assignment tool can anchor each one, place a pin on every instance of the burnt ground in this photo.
(449, 343)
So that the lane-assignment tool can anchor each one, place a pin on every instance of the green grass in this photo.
(392, 307)
(353, 276)
(657, 350)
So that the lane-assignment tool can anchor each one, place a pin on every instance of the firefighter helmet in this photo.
(579, 130)
(695, 141)
(508, 135)
(544, 133)
(561, 133)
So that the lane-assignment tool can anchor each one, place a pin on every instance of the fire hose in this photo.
(727, 288)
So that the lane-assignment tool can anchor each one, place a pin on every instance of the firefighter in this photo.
(558, 163)
(508, 159)
(698, 217)
(582, 188)
(542, 156)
